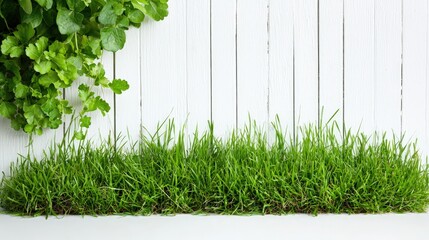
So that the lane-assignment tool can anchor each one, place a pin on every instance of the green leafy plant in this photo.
(167, 173)
(47, 44)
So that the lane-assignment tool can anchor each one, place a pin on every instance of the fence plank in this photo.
(223, 38)
(331, 59)
(306, 62)
(252, 61)
(359, 65)
(281, 63)
(128, 104)
(198, 63)
(414, 111)
(14, 143)
(425, 146)
(226, 59)
(388, 58)
(163, 68)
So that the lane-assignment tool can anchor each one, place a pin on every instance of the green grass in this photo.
(323, 171)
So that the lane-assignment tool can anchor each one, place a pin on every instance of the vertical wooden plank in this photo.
(359, 65)
(14, 143)
(128, 104)
(425, 147)
(11, 144)
(223, 25)
(163, 68)
(331, 59)
(414, 108)
(306, 62)
(198, 63)
(388, 54)
(281, 63)
(252, 61)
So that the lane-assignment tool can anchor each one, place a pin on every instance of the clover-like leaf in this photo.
(7, 109)
(69, 21)
(10, 46)
(102, 105)
(43, 67)
(76, 5)
(26, 6)
(47, 4)
(107, 15)
(21, 90)
(118, 86)
(135, 16)
(156, 9)
(50, 109)
(35, 51)
(48, 79)
(85, 121)
(33, 113)
(112, 38)
(84, 92)
(46, 45)
(79, 135)
(24, 32)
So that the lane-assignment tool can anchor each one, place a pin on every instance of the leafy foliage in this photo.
(47, 44)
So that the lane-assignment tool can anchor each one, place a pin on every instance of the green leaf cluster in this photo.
(46, 45)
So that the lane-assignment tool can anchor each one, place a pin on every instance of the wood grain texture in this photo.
(252, 61)
(12, 143)
(281, 63)
(388, 60)
(198, 63)
(226, 60)
(223, 48)
(414, 110)
(359, 65)
(306, 62)
(164, 67)
(128, 104)
(331, 59)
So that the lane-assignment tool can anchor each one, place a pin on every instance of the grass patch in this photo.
(164, 173)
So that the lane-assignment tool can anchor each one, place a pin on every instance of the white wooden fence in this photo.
(221, 60)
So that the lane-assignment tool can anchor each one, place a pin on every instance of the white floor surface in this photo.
(325, 226)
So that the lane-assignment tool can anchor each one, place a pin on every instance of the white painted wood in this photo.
(359, 65)
(198, 63)
(163, 68)
(388, 58)
(331, 59)
(425, 148)
(12, 143)
(306, 62)
(281, 63)
(128, 104)
(252, 61)
(414, 109)
(223, 39)
(194, 60)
